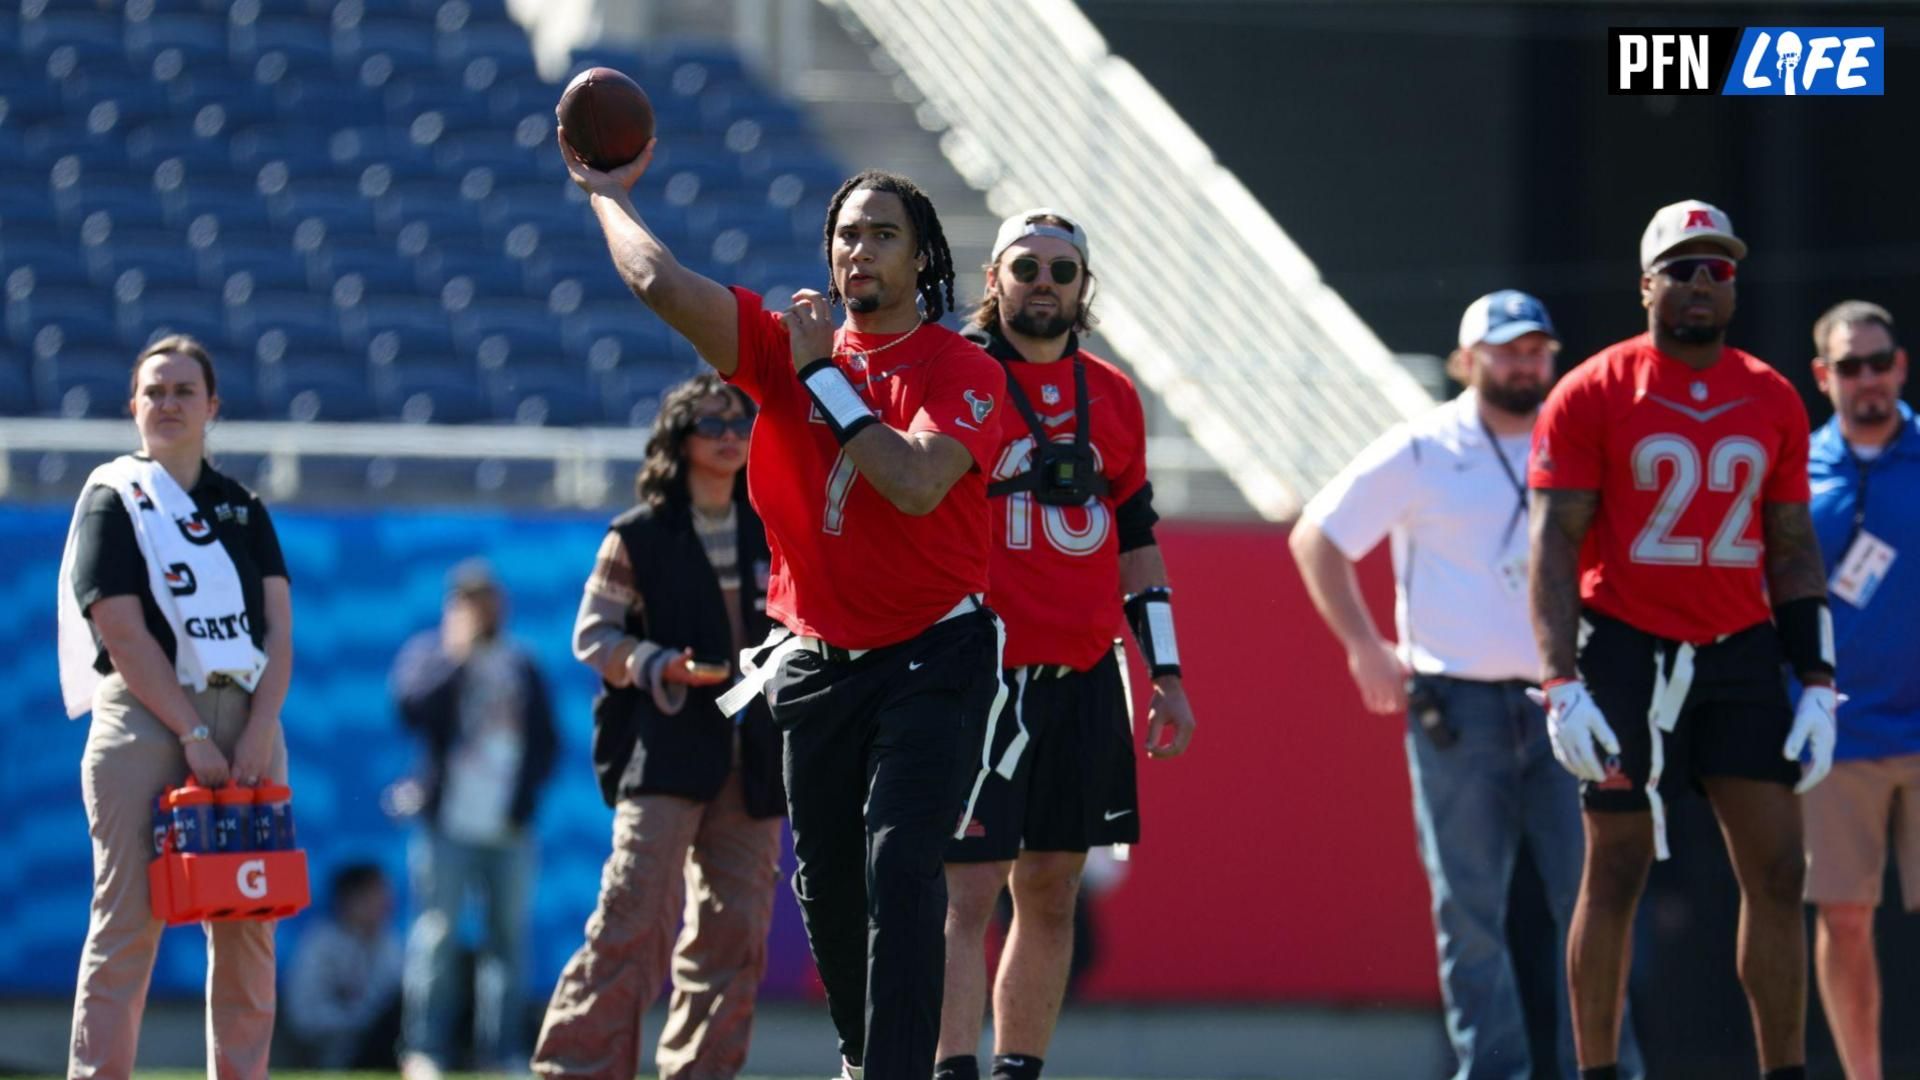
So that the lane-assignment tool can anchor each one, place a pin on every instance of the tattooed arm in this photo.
(1794, 569)
(1560, 519)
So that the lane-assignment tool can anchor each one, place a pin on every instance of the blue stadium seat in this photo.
(169, 267)
(53, 141)
(491, 273)
(31, 104)
(129, 208)
(235, 206)
(631, 395)
(440, 394)
(167, 137)
(343, 210)
(315, 387)
(53, 264)
(308, 100)
(306, 42)
(91, 34)
(16, 386)
(543, 398)
(81, 384)
(268, 268)
(462, 109)
(239, 102)
(169, 311)
(526, 325)
(305, 317)
(26, 314)
(409, 42)
(593, 273)
(378, 267)
(202, 39)
(504, 43)
(418, 322)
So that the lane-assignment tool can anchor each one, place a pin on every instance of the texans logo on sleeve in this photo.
(180, 580)
(196, 529)
(980, 404)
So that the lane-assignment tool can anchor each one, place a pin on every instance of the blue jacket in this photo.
(1875, 646)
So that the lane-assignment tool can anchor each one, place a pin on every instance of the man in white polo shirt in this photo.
(1449, 489)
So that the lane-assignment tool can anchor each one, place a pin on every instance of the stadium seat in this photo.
(78, 383)
(535, 397)
(314, 387)
(439, 394)
(267, 268)
(418, 323)
(202, 39)
(27, 313)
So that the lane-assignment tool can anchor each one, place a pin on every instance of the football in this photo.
(605, 117)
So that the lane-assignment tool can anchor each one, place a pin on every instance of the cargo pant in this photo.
(727, 864)
(130, 758)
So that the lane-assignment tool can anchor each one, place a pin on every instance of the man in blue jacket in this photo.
(480, 706)
(1864, 466)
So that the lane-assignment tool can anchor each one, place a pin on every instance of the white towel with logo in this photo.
(190, 574)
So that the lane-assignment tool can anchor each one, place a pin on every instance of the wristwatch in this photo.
(200, 733)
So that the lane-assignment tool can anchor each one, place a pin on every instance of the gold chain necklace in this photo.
(861, 357)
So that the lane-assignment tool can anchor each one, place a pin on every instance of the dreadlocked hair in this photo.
(935, 282)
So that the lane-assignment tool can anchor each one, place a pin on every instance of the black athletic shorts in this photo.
(1073, 785)
(1734, 722)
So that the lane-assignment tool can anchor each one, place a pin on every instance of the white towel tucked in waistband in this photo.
(190, 574)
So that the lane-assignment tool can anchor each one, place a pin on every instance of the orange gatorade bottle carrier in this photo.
(213, 867)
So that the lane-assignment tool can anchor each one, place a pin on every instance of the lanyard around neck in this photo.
(1519, 489)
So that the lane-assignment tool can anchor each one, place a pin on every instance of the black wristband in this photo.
(1806, 635)
(1150, 613)
(835, 399)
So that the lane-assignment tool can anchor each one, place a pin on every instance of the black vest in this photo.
(636, 749)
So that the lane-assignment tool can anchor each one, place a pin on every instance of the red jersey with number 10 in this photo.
(848, 566)
(1683, 462)
(1056, 569)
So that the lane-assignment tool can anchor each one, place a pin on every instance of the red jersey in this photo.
(1056, 569)
(1683, 461)
(848, 566)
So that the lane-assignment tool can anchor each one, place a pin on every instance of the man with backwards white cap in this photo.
(1449, 489)
(1675, 570)
(1073, 551)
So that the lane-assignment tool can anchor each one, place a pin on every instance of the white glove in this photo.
(1813, 725)
(1574, 724)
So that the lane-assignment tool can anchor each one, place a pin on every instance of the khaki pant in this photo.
(728, 863)
(131, 757)
(1848, 817)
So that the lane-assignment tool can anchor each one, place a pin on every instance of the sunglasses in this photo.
(1026, 268)
(1718, 267)
(712, 427)
(1849, 366)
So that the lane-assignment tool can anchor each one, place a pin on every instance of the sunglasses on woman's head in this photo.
(713, 427)
(1849, 366)
(1718, 267)
(1026, 268)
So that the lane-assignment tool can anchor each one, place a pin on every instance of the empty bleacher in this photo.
(359, 205)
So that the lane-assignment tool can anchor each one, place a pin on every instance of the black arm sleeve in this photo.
(106, 554)
(1136, 518)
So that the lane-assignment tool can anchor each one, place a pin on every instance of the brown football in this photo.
(606, 117)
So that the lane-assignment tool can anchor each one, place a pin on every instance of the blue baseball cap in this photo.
(1499, 317)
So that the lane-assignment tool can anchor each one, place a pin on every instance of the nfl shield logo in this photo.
(1049, 394)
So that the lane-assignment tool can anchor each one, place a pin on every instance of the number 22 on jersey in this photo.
(1736, 465)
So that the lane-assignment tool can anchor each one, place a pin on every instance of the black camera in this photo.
(1066, 474)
